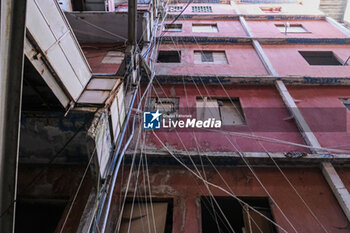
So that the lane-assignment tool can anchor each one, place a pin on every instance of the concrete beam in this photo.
(338, 26)
(336, 184)
(247, 16)
(305, 130)
(251, 79)
(255, 158)
(248, 40)
(328, 170)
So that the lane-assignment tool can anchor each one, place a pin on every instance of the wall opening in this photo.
(320, 58)
(173, 27)
(229, 111)
(229, 215)
(35, 215)
(210, 57)
(139, 217)
(204, 28)
(169, 57)
(346, 102)
(169, 107)
(291, 28)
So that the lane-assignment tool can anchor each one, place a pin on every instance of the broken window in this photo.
(291, 28)
(173, 27)
(139, 217)
(226, 215)
(204, 28)
(207, 57)
(113, 57)
(229, 111)
(320, 58)
(169, 107)
(202, 9)
(175, 8)
(346, 102)
(169, 57)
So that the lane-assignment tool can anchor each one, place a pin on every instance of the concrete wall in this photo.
(179, 184)
(228, 28)
(242, 60)
(95, 54)
(287, 60)
(315, 28)
(264, 111)
(325, 113)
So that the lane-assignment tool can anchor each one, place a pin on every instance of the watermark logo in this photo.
(152, 120)
(157, 120)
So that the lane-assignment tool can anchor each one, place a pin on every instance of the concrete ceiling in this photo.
(102, 27)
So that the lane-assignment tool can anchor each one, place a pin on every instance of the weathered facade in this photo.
(274, 73)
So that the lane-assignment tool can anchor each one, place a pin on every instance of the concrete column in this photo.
(13, 13)
(330, 174)
(339, 190)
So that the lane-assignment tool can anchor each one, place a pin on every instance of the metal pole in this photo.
(132, 21)
(11, 77)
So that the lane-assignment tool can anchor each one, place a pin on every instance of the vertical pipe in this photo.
(132, 21)
(11, 76)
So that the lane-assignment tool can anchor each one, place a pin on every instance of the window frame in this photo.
(212, 26)
(165, 29)
(215, 57)
(178, 52)
(218, 113)
(278, 26)
(305, 56)
(196, 9)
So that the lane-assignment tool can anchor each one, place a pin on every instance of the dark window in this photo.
(34, 216)
(207, 56)
(173, 27)
(226, 215)
(169, 57)
(141, 216)
(346, 102)
(320, 58)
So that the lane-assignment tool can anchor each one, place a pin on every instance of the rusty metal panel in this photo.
(75, 58)
(93, 97)
(49, 30)
(101, 84)
(45, 73)
(64, 71)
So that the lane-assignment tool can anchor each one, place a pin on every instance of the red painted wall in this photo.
(315, 28)
(323, 111)
(264, 111)
(185, 189)
(242, 60)
(227, 28)
(95, 53)
(287, 60)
